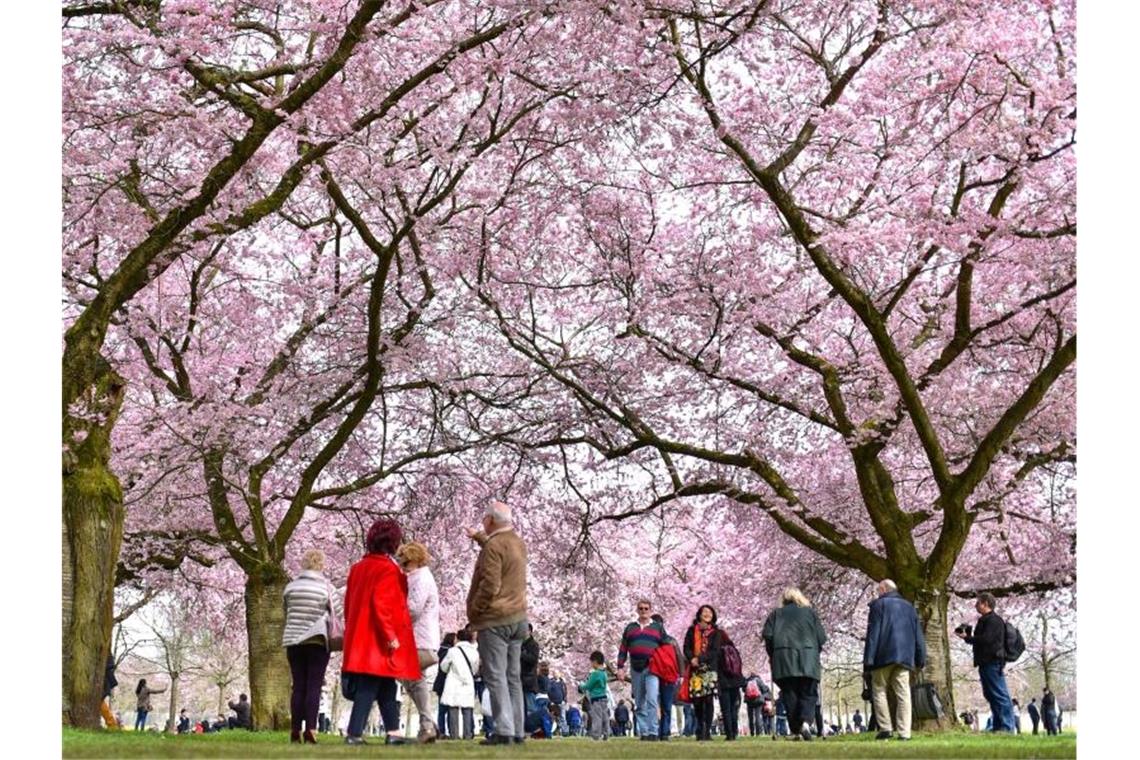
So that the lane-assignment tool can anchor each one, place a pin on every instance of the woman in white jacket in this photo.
(461, 664)
(423, 604)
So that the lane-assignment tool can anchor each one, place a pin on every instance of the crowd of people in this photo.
(492, 667)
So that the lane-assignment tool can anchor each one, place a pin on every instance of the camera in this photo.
(965, 628)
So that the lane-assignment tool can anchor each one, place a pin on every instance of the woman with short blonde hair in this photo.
(793, 637)
(423, 605)
(793, 595)
(309, 601)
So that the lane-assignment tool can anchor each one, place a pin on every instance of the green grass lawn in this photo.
(257, 745)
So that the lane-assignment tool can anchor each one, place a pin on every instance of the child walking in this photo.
(594, 687)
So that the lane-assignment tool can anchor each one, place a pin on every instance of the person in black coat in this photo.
(528, 662)
(443, 713)
(728, 688)
(988, 641)
(1034, 714)
(109, 684)
(1049, 711)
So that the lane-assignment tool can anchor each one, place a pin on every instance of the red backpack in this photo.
(663, 663)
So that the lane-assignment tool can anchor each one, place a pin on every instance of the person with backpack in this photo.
(793, 638)
(894, 646)
(990, 655)
(702, 652)
(666, 665)
(756, 694)
(730, 681)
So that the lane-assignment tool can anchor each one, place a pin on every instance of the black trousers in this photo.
(307, 663)
(730, 711)
(800, 696)
(371, 689)
(703, 716)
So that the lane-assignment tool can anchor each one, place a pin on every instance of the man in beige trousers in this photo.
(894, 647)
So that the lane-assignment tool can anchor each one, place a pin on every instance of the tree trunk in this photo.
(172, 718)
(270, 682)
(932, 606)
(93, 531)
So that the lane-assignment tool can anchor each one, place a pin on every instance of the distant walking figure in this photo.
(143, 706)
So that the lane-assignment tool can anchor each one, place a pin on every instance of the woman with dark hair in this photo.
(440, 680)
(379, 645)
(460, 665)
(143, 706)
(702, 652)
(793, 637)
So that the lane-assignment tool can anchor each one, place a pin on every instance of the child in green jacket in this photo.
(594, 687)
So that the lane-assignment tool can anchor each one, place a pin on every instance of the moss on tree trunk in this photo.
(270, 681)
(92, 533)
(932, 606)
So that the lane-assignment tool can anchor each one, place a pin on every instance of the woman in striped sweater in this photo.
(309, 600)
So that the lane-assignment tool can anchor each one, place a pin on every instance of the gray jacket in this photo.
(307, 600)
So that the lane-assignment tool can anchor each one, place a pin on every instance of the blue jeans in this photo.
(441, 716)
(690, 720)
(645, 688)
(667, 692)
(140, 720)
(997, 694)
(541, 705)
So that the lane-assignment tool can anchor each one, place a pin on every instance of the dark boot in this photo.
(309, 738)
(294, 737)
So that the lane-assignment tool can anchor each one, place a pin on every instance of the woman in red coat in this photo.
(379, 647)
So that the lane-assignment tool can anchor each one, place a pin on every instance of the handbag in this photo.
(348, 686)
(683, 691)
(924, 701)
(427, 658)
(334, 627)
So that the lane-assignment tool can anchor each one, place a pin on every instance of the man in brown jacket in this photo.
(496, 608)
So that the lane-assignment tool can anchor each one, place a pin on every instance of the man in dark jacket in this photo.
(1034, 714)
(242, 713)
(528, 664)
(988, 640)
(894, 647)
(1049, 711)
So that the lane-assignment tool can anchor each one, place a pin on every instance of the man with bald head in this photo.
(894, 647)
(496, 608)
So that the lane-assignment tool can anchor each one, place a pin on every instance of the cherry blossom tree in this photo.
(827, 273)
(242, 121)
